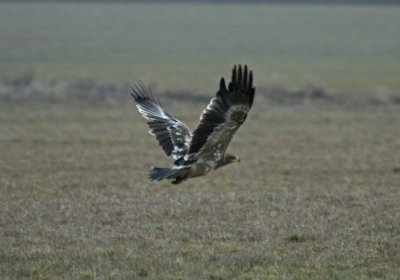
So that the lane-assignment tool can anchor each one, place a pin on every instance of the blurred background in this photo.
(343, 46)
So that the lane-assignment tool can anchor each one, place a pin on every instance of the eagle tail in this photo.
(177, 173)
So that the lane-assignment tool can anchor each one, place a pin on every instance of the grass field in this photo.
(341, 48)
(316, 196)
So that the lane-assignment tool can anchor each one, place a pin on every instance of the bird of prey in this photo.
(203, 150)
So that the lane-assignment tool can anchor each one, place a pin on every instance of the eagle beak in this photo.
(238, 159)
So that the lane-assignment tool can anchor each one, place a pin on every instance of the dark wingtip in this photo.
(222, 85)
(251, 98)
(245, 82)
(251, 88)
(132, 91)
(242, 80)
(240, 77)
(251, 79)
(233, 79)
(136, 91)
(140, 91)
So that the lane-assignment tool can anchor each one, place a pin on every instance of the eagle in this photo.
(203, 150)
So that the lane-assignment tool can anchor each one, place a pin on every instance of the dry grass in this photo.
(315, 196)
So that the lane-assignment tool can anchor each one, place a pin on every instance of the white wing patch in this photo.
(173, 135)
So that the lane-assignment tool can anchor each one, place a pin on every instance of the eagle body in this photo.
(203, 150)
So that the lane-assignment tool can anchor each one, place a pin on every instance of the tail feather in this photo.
(158, 174)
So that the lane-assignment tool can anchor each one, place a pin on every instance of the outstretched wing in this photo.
(223, 116)
(172, 135)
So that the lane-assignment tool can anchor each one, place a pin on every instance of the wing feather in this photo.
(173, 135)
(224, 115)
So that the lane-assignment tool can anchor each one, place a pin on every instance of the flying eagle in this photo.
(203, 150)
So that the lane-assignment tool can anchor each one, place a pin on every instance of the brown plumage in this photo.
(202, 151)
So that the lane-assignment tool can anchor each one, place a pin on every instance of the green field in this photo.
(341, 48)
(315, 196)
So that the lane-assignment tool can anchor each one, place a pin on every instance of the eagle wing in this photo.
(223, 116)
(173, 135)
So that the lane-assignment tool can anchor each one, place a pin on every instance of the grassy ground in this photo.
(342, 48)
(316, 196)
